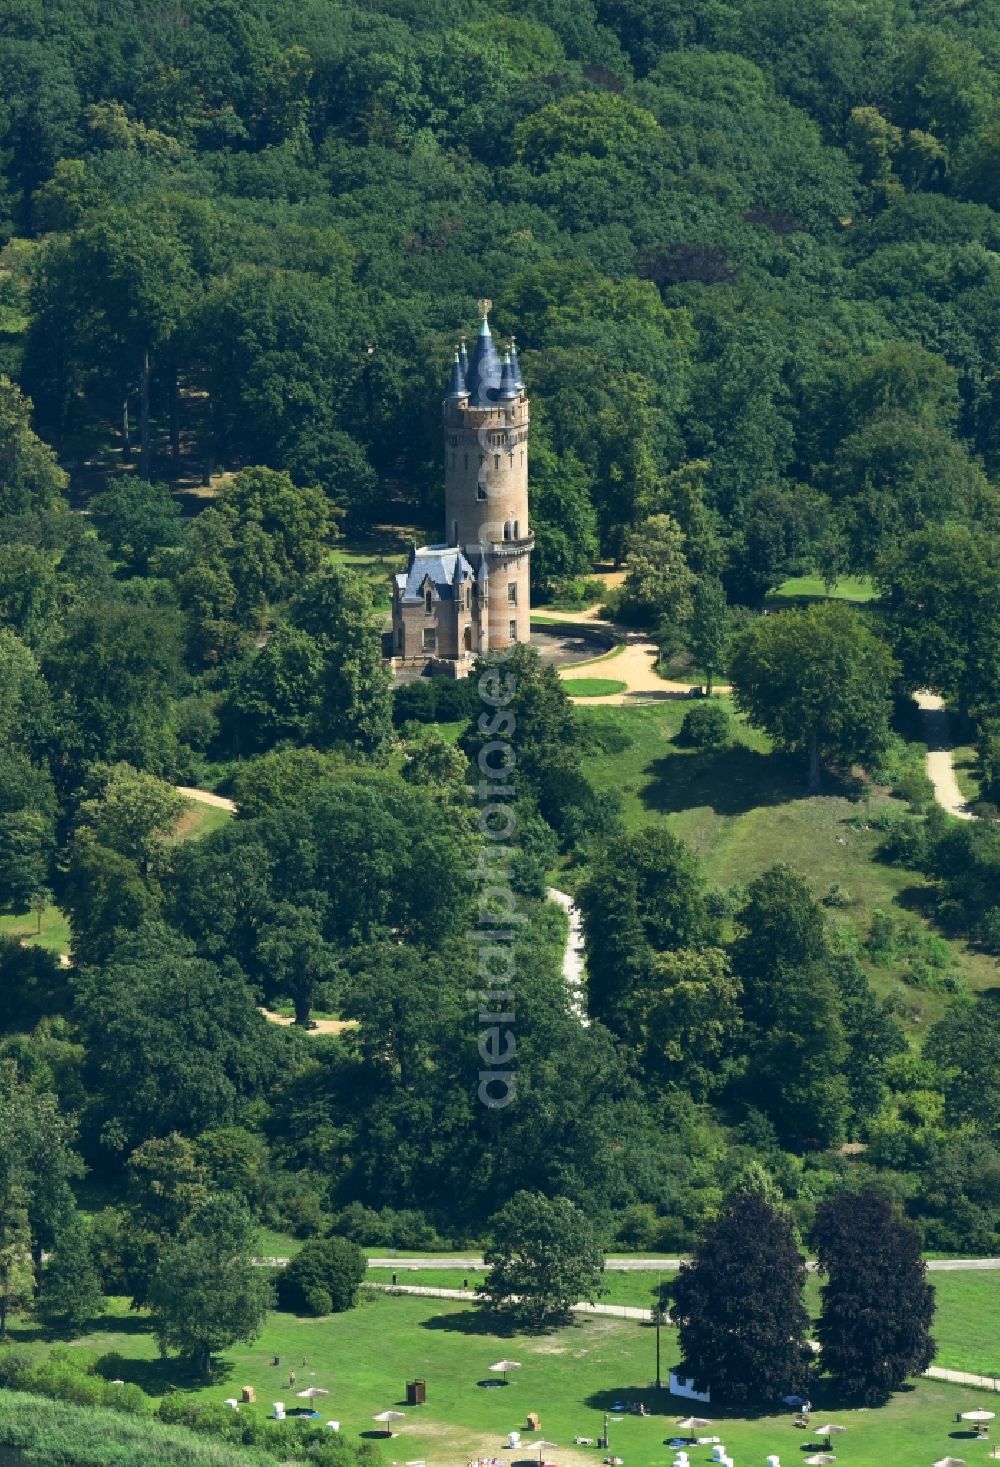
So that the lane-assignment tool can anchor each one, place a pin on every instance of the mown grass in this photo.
(54, 934)
(812, 588)
(569, 1376)
(593, 687)
(744, 807)
(965, 1326)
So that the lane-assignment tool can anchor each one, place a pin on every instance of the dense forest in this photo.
(751, 254)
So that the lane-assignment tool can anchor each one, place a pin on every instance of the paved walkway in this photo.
(635, 666)
(630, 1264)
(940, 756)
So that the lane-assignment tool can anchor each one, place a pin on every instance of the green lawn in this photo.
(742, 808)
(965, 1328)
(55, 934)
(812, 588)
(569, 1377)
(199, 820)
(593, 687)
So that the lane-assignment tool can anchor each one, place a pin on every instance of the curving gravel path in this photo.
(940, 756)
(574, 958)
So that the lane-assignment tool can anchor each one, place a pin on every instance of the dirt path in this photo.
(205, 797)
(319, 1026)
(573, 957)
(635, 666)
(940, 756)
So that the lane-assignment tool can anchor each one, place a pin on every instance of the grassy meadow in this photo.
(743, 807)
(569, 1377)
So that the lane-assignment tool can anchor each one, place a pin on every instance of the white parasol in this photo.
(505, 1366)
(386, 1418)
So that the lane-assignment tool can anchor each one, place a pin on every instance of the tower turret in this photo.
(486, 484)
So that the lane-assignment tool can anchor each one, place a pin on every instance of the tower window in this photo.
(480, 490)
(428, 602)
(513, 631)
(517, 529)
(512, 592)
(430, 639)
(496, 460)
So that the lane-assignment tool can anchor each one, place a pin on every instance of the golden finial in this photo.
(485, 307)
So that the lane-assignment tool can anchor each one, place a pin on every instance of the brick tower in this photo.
(471, 593)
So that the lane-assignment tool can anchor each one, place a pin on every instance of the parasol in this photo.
(820, 1459)
(386, 1418)
(505, 1366)
(311, 1392)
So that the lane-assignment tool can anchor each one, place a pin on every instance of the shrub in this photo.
(14, 1366)
(706, 726)
(323, 1278)
(989, 930)
(881, 942)
(915, 787)
(837, 896)
(905, 845)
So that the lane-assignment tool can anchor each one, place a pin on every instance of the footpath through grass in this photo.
(965, 1327)
(569, 1377)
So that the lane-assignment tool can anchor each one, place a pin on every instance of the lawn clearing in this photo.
(593, 687)
(569, 1376)
(743, 807)
(54, 934)
(199, 820)
(812, 588)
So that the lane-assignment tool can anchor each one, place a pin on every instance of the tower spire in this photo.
(456, 387)
(483, 376)
(508, 385)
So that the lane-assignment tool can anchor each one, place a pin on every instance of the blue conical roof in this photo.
(463, 357)
(483, 377)
(508, 384)
(457, 387)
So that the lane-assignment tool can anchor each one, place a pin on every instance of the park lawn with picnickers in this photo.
(744, 807)
(569, 1376)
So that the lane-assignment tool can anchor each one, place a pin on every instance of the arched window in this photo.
(496, 460)
(517, 529)
(506, 529)
(428, 601)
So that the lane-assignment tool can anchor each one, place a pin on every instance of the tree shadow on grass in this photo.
(160, 1376)
(471, 1322)
(729, 781)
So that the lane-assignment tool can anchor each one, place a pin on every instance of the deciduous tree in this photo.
(738, 1306)
(877, 1306)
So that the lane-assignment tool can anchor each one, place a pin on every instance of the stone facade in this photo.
(471, 593)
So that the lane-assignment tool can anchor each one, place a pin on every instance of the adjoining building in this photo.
(471, 593)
